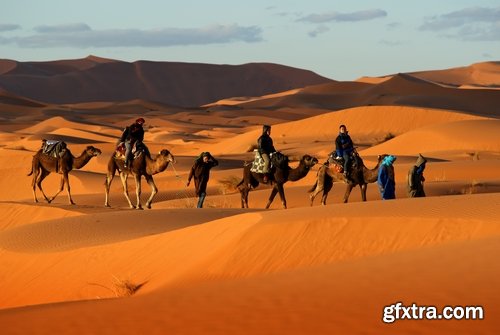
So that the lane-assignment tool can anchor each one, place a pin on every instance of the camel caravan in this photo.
(270, 167)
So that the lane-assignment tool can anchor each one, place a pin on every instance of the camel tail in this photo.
(313, 188)
(240, 183)
(32, 170)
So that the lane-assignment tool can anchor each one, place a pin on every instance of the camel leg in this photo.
(272, 196)
(154, 190)
(138, 191)
(242, 194)
(42, 176)
(109, 179)
(68, 188)
(245, 194)
(314, 193)
(323, 198)
(61, 188)
(327, 187)
(64, 180)
(363, 188)
(281, 190)
(348, 192)
(123, 177)
(33, 183)
(107, 186)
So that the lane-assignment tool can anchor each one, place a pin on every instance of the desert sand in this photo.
(88, 269)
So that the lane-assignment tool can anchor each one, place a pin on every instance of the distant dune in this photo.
(181, 84)
(485, 75)
(480, 75)
(400, 90)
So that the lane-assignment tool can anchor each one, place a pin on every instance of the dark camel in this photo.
(280, 176)
(42, 165)
(328, 173)
(143, 165)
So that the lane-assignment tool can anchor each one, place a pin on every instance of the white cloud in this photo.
(362, 15)
(81, 35)
(64, 28)
(9, 27)
(321, 29)
(474, 23)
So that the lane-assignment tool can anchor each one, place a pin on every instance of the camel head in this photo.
(166, 155)
(309, 161)
(92, 151)
(380, 158)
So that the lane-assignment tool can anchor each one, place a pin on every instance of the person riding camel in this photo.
(266, 147)
(133, 134)
(344, 148)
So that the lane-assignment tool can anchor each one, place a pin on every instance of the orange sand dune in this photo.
(468, 136)
(399, 90)
(365, 124)
(479, 75)
(373, 80)
(58, 122)
(239, 100)
(17, 214)
(322, 267)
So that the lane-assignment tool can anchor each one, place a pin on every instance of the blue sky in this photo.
(341, 40)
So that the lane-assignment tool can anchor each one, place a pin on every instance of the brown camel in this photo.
(42, 165)
(328, 173)
(281, 174)
(143, 165)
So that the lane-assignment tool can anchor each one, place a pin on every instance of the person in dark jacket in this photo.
(344, 148)
(201, 173)
(386, 181)
(266, 147)
(416, 178)
(133, 134)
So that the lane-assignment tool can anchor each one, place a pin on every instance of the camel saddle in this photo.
(54, 149)
(338, 162)
(138, 148)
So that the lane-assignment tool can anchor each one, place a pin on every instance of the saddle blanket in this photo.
(258, 163)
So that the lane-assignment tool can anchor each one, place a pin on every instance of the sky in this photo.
(341, 40)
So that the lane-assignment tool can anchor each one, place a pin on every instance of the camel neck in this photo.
(299, 172)
(81, 161)
(371, 175)
(154, 166)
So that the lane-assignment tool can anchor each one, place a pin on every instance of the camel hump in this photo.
(53, 148)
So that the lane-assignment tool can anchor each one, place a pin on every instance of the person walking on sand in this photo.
(386, 181)
(416, 178)
(200, 171)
